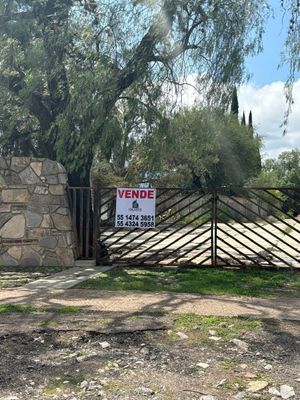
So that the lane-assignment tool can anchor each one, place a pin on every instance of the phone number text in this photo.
(135, 221)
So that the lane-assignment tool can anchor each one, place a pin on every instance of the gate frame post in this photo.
(96, 195)
(214, 227)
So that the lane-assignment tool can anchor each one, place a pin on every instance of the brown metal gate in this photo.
(219, 227)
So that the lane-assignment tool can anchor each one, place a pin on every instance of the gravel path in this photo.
(133, 302)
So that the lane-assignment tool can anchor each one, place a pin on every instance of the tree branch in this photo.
(141, 102)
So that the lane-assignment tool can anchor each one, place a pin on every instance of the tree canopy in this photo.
(199, 148)
(68, 66)
(283, 171)
(286, 168)
(80, 78)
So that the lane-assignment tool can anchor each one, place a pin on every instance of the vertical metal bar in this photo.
(87, 225)
(97, 204)
(216, 228)
(81, 222)
(74, 219)
(213, 229)
(74, 206)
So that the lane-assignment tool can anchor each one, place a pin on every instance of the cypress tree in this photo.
(250, 123)
(255, 137)
(243, 120)
(234, 103)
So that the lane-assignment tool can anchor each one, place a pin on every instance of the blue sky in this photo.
(264, 67)
(264, 93)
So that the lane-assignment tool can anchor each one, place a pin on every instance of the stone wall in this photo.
(35, 223)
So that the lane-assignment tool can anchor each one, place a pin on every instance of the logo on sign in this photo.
(135, 206)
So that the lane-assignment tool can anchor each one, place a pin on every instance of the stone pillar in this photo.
(35, 221)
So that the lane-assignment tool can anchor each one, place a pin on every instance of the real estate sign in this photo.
(135, 208)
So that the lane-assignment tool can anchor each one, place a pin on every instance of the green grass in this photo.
(225, 327)
(198, 329)
(50, 322)
(25, 308)
(254, 282)
(54, 387)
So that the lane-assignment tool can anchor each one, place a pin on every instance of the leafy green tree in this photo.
(283, 171)
(201, 148)
(288, 171)
(287, 168)
(65, 65)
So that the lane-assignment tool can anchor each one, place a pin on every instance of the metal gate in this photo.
(82, 204)
(258, 226)
(220, 227)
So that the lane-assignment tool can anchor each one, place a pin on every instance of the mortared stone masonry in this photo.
(35, 222)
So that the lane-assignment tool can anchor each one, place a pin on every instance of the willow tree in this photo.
(66, 65)
(291, 51)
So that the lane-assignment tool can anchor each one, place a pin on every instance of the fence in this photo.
(83, 220)
(220, 227)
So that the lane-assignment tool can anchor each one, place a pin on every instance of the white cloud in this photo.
(268, 105)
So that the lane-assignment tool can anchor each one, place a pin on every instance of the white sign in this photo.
(135, 208)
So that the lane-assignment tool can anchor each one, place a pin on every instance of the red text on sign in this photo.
(136, 194)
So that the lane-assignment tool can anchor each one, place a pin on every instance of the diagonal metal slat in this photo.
(161, 222)
(178, 230)
(263, 219)
(263, 237)
(136, 229)
(192, 249)
(279, 199)
(237, 250)
(275, 216)
(278, 209)
(257, 244)
(246, 246)
(182, 246)
(231, 256)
